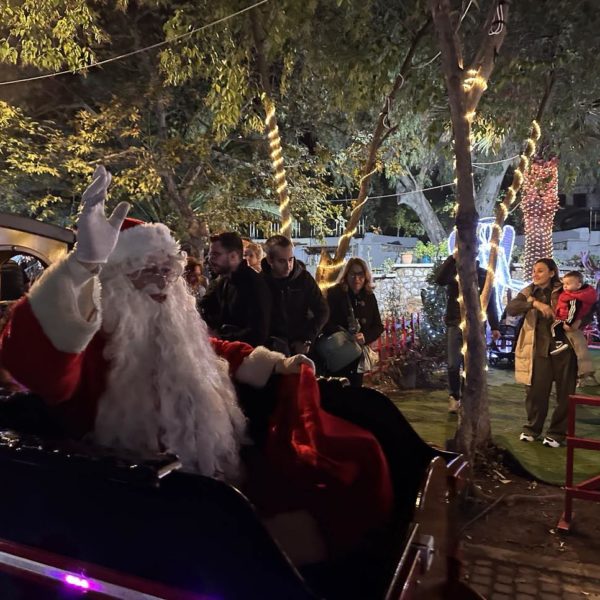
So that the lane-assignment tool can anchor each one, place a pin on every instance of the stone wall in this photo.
(400, 291)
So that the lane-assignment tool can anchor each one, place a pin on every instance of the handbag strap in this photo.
(352, 320)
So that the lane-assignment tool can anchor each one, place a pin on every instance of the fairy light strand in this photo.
(332, 267)
(503, 208)
(474, 85)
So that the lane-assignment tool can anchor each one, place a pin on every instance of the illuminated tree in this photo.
(539, 205)
(466, 83)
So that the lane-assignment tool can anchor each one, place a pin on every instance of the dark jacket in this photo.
(365, 310)
(299, 310)
(447, 276)
(238, 307)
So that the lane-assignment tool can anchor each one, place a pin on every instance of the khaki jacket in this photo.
(525, 350)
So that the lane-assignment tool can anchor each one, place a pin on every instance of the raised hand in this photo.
(97, 235)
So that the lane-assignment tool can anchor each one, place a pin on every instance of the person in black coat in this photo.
(299, 310)
(353, 306)
(237, 304)
(447, 276)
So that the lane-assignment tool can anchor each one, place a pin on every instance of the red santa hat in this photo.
(140, 243)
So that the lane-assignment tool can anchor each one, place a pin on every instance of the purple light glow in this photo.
(76, 581)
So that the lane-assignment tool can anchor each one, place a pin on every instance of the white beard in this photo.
(165, 384)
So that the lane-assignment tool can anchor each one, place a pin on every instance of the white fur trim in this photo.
(136, 244)
(258, 366)
(63, 300)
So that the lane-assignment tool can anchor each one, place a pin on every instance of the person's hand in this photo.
(97, 235)
(496, 335)
(300, 347)
(544, 308)
(360, 338)
(293, 364)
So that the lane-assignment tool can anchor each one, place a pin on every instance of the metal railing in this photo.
(590, 488)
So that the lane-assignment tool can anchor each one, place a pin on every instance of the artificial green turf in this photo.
(427, 412)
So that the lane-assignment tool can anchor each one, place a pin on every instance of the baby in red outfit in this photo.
(574, 303)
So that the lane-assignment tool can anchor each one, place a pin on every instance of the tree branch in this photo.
(489, 48)
(329, 268)
(546, 97)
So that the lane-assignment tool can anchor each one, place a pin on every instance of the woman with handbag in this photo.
(352, 309)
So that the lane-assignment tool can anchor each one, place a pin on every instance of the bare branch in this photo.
(328, 267)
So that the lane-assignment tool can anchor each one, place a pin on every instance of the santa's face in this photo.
(155, 279)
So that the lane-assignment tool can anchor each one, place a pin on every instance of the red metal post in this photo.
(586, 490)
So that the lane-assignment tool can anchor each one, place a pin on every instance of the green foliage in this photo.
(433, 252)
(388, 265)
(432, 334)
(49, 34)
(545, 38)
(407, 222)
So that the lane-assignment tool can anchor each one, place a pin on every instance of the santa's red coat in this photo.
(72, 383)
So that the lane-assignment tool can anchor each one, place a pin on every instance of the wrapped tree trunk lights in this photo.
(539, 204)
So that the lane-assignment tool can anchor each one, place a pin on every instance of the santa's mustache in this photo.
(152, 289)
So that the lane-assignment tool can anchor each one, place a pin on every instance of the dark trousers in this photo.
(562, 369)
(455, 359)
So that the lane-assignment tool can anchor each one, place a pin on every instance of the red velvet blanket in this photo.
(337, 469)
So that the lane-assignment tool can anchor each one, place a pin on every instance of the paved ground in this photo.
(500, 574)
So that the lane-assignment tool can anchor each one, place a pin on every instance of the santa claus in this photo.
(110, 337)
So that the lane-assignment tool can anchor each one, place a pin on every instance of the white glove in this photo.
(97, 235)
(291, 365)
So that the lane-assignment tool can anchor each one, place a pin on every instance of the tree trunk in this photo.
(539, 203)
(465, 89)
(487, 195)
(422, 207)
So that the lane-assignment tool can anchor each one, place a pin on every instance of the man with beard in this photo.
(299, 310)
(111, 339)
(237, 305)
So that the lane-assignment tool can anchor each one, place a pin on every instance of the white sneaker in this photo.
(525, 437)
(453, 405)
(551, 442)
